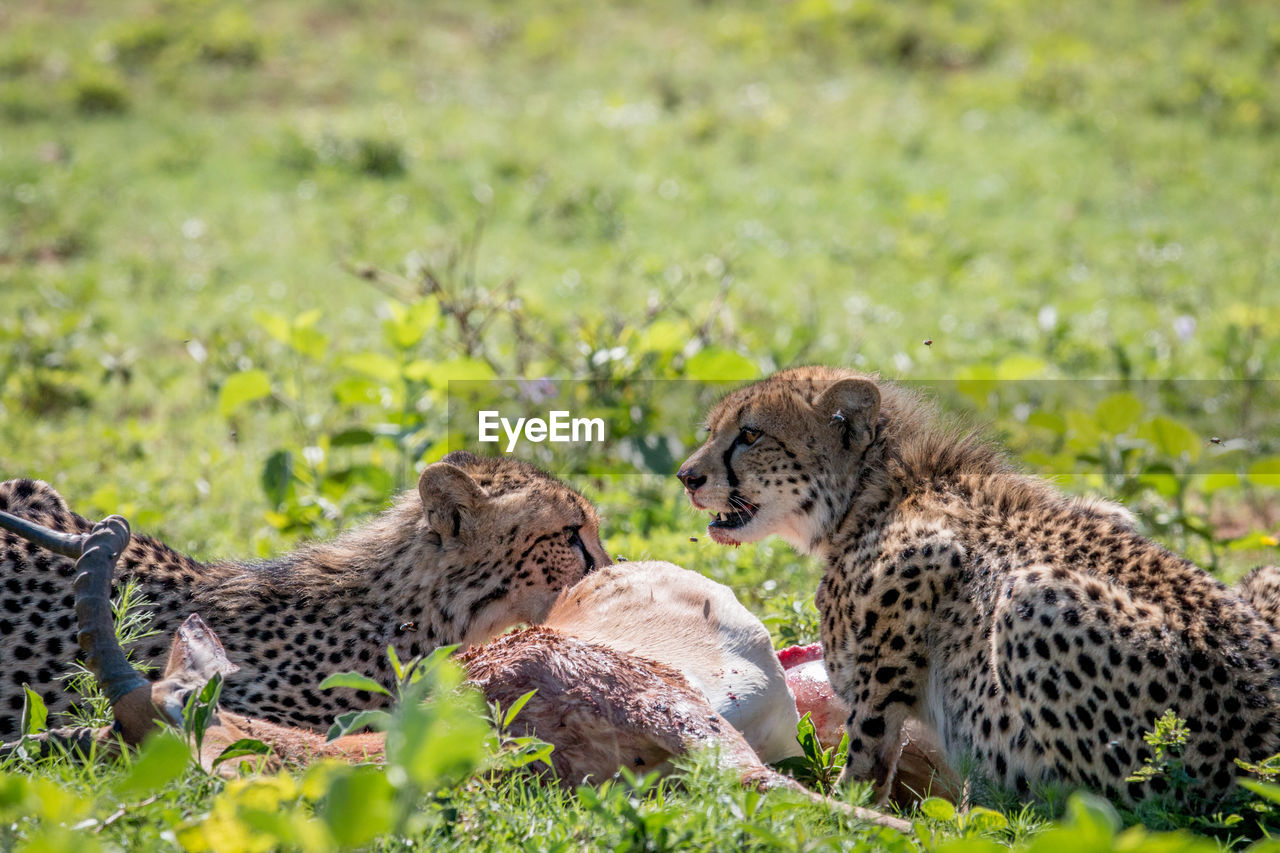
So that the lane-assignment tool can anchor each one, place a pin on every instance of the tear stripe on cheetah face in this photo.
(1040, 633)
(482, 545)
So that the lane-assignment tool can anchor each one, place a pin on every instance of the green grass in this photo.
(1045, 191)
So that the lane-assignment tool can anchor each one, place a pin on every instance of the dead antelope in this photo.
(600, 707)
(664, 613)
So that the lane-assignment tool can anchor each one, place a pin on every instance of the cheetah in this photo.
(483, 544)
(1261, 588)
(1039, 635)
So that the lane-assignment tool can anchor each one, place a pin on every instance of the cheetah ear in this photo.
(853, 405)
(449, 497)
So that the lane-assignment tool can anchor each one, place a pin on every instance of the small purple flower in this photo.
(1184, 326)
(537, 390)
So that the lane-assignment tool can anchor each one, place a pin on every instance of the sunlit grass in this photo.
(1055, 190)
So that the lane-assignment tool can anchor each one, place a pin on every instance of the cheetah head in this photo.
(513, 535)
(780, 454)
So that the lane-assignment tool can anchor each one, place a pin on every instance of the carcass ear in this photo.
(853, 406)
(197, 654)
(450, 498)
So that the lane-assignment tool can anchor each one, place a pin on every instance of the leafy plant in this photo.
(816, 767)
(517, 751)
(1166, 740)
(199, 711)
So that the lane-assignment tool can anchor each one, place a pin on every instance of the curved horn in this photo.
(97, 637)
(67, 544)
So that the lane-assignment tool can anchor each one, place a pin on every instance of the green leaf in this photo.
(527, 751)
(307, 319)
(1209, 483)
(201, 707)
(1083, 430)
(440, 741)
(355, 681)
(394, 658)
(976, 383)
(1171, 438)
(663, 336)
(1253, 541)
(516, 707)
(807, 737)
(984, 819)
(277, 477)
(718, 363)
(1051, 421)
(376, 479)
(439, 659)
(793, 765)
(1118, 413)
(938, 809)
(351, 438)
(1266, 790)
(242, 388)
(355, 390)
(409, 323)
(354, 721)
(360, 806)
(275, 325)
(438, 374)
(1092, 812)
(309, 342)
(1265, 472)
(1159, 477)
(242, 747)
(35, 716)
(373, 364)
(1017, 367)
(163, 759)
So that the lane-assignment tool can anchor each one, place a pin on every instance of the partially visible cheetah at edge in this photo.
(480, 546)
(1036, 633)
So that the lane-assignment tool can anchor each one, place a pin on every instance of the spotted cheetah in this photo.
(1261, 588)
(1037, 634)
(482, 545)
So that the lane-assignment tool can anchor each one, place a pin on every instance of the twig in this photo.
(123, 810)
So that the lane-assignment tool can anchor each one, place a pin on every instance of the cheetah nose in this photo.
(692, 479)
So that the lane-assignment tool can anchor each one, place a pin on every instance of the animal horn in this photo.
(95, 554)
(97, 637)
(67, 544)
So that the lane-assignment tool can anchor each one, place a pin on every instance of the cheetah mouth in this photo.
(733, 520)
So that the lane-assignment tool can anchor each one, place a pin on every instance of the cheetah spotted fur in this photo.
(1038, 634)
(482, 545)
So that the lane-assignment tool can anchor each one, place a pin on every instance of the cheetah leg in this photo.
(874, 630)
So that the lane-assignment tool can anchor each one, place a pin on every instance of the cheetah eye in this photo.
(576, 543)
(749, 436)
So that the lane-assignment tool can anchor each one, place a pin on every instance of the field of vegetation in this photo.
(245, 248)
